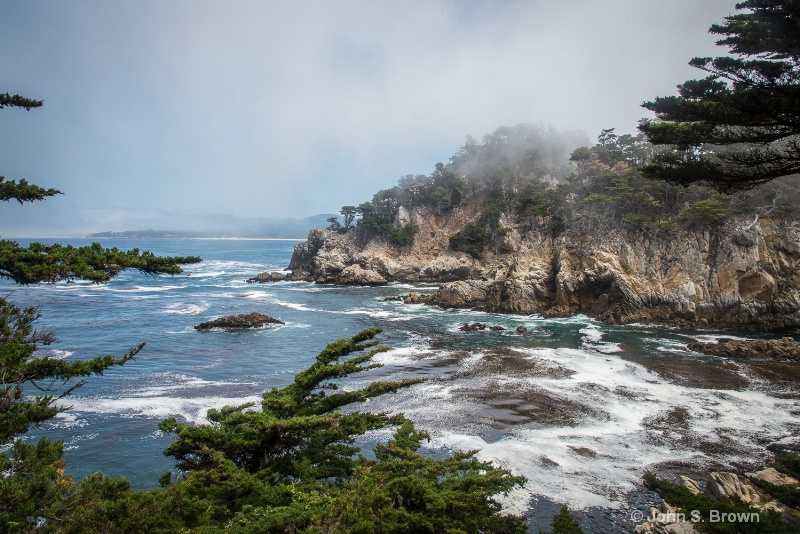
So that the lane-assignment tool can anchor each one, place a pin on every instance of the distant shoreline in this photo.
(156, 238)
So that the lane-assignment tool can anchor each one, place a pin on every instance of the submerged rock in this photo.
(479, 326)
(784, 349)
(238, 322)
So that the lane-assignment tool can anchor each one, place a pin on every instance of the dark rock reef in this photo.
(239, 322)
(784, 350)
(265, 277)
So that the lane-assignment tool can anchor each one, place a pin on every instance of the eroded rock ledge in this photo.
(784, 349)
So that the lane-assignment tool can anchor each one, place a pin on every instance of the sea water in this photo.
(581, 409)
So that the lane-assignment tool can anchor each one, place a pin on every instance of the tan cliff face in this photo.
(738, 274)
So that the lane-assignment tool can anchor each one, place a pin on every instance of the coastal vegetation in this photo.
(525, 178)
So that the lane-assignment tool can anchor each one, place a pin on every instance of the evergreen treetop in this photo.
(739, 127)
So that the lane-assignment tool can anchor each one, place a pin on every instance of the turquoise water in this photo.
(580, 408)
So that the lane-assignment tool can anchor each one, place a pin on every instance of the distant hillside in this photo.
(221, 225)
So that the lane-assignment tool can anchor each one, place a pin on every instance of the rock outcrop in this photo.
(784, 349)
(725, 487)
(266, 277)
(698, 276)
(238, 322)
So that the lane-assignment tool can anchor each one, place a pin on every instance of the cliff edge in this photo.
(737, 274)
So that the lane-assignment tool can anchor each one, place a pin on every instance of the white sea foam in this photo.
(296, 306)
(591, 333)
(375, 314)
(185, 308)
(56, 354)
(76, 439)
(67, 419)
(619, 420)
(713, 338)
(192, 409)
(143, 289)
(399, 356)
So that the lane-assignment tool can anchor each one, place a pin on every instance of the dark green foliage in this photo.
(711, 211)
(515, 180)
(738, 127)
(294, 422)
(7, 100)
(335, 225)
(769, 521)
(404, 492)
(402, 236)
(564, 523)
(786, 494)
(51, 263)
(33, 487)
(472, 239)
(349, 213)
(788, 464)
(23, 191)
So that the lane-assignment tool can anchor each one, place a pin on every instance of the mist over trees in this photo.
(530, 179)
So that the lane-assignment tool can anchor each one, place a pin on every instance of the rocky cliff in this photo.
(738, 274)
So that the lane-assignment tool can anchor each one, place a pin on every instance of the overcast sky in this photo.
(158, 109)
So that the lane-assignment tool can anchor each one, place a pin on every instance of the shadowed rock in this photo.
(784, 349)
(238, 322)
(479, 326)
(269, 277)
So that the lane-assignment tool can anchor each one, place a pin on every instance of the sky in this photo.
(157, 111)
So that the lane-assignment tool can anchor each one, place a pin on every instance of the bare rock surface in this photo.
(730, 487)
(356, 275)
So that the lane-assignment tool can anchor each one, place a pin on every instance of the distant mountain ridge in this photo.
(221, 225)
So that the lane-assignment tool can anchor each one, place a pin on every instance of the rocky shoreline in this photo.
(694, 277)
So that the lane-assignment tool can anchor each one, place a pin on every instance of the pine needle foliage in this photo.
(52, 263)
(740, 126)
(17, 101)
(23, 191)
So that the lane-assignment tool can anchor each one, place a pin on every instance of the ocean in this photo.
(580, 408)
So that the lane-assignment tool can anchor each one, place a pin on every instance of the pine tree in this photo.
(740, 126)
